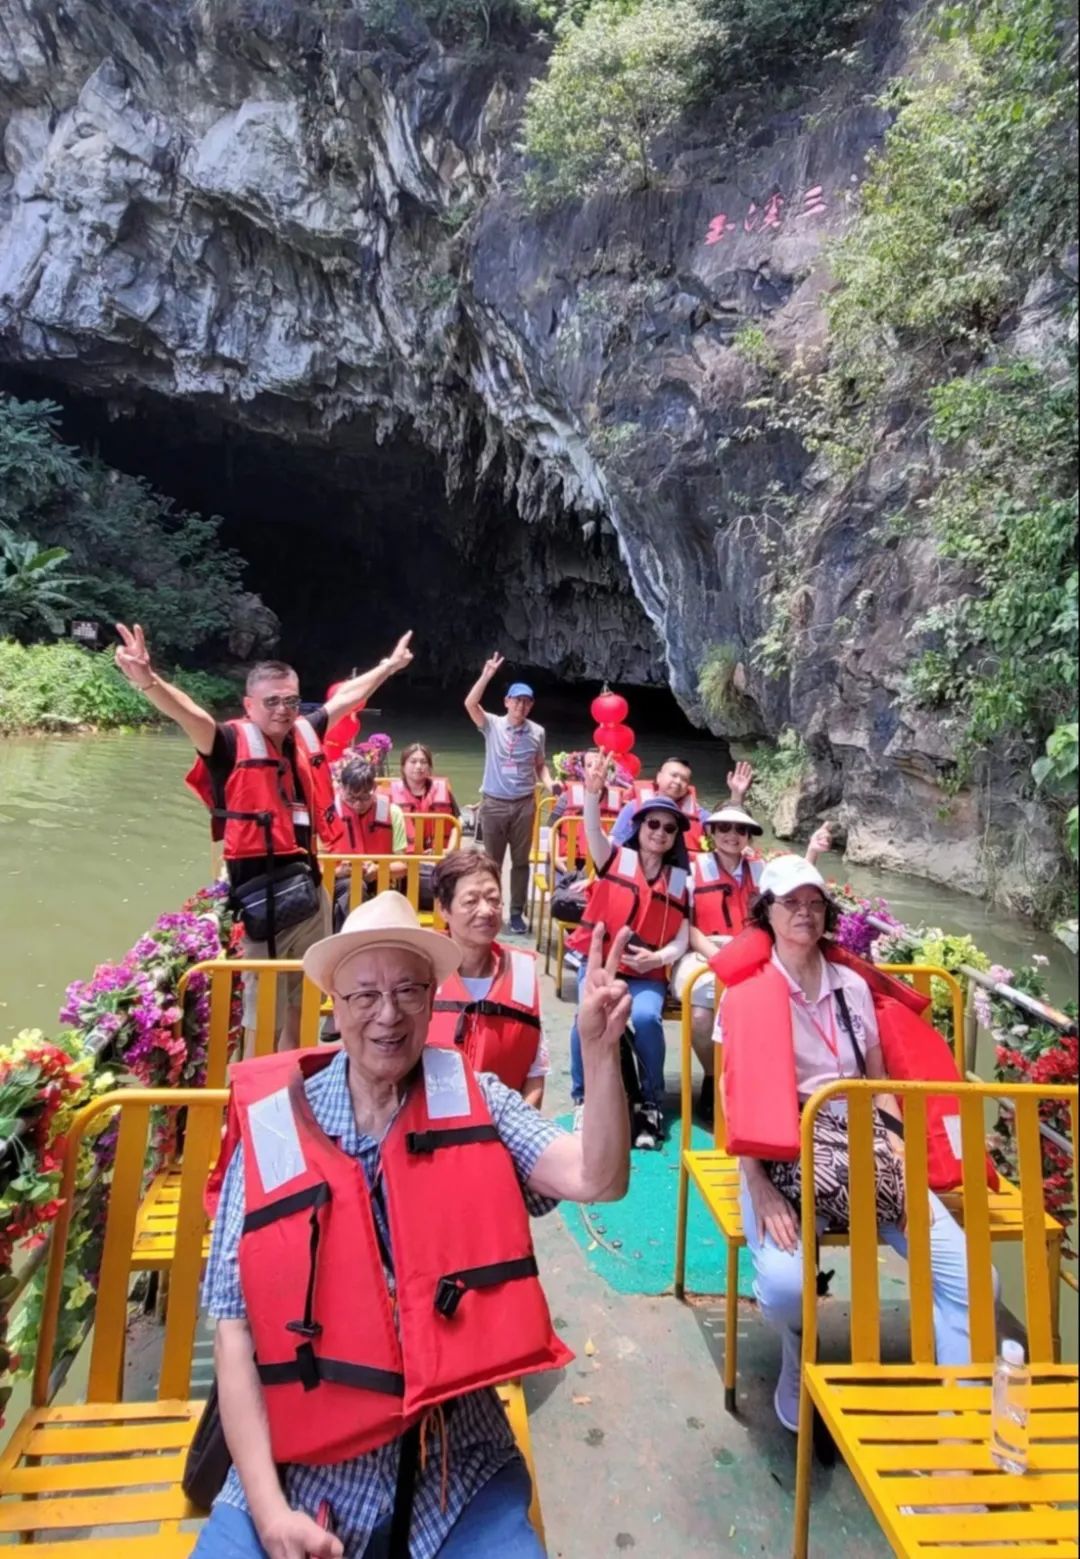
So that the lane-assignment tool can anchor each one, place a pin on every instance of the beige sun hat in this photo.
(387, 920)
(732, 814)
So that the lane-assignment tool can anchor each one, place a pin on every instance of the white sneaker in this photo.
(786, 1395)
(579, 1116)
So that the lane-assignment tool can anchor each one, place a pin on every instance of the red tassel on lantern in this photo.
(609, 708)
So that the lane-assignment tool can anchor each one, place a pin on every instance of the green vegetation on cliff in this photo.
(128, 553)
(59, 687)
(967, 221)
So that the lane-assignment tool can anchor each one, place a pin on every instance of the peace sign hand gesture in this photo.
(595, 779)
(133, 658)
(605, 999)
(492, 665)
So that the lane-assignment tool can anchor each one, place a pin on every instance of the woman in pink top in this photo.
(834, 1034)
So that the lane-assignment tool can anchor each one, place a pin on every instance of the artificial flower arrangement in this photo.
(374, 749)
(570, 766)
(130, 1012)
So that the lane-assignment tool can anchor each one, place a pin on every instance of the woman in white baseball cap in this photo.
(833, 1027)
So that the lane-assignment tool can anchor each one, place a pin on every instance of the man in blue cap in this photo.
(514, 760)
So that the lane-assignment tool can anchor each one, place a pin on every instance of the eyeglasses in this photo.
(358, 798)
(809, 906)
(410, 998)
(658, 827)
(729, 828)
(289, 701)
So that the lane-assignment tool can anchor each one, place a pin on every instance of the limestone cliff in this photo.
(282, 227)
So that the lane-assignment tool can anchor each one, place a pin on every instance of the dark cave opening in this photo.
(353, 542)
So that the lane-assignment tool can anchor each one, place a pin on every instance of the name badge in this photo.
(301, 817)
(445, 1088)
(275, 1141)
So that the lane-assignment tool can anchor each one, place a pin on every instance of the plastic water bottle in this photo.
(1009, 1431)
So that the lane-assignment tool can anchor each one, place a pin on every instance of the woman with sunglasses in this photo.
(725, 884)
(643, 884)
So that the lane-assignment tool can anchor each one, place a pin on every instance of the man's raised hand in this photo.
(739, 781)
(605, 1001)
(492, 665)
(401, 655)
(133, 658)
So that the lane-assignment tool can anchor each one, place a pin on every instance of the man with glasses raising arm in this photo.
(267, 785)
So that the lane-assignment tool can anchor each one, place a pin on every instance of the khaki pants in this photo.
(293, 942)
(510, 823)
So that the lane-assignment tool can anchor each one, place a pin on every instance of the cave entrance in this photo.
(351, 541)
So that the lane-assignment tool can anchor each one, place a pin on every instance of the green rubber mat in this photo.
(631, 1244)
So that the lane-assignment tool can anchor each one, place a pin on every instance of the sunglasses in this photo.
(729, 828)
(655, 826)
(282, 701)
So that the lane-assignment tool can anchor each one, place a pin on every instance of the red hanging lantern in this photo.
(609, 708)
(620, 738)
(631, 763)
(602, 737)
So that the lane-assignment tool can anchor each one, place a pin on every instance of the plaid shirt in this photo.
(361, 1492)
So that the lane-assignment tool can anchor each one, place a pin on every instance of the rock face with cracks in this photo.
(260, 213)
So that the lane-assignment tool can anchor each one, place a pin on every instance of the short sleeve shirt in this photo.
(221, 761)
(514, 754)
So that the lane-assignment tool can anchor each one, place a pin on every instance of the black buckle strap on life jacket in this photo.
(401, 1520)
(449, 1137)
(483, 1009)
(450, 1288)
(334, 1372)
(313, 1196)
(891, 1122)
(725, 889)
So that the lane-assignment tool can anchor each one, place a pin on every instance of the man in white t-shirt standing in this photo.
(514, 761)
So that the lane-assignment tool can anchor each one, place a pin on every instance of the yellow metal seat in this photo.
(539, 887)
(715, 1174)
(513, 1400)
(106, 1463)
(916, 1436)
(387, 874)
(155, 1222)
(568, 843)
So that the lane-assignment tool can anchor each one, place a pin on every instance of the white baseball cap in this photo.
(788, 872)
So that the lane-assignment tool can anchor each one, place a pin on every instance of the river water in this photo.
(98, 835)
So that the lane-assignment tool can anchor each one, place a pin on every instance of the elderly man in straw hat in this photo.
(372, 1273)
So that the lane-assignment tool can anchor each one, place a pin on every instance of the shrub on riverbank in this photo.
(60, 687)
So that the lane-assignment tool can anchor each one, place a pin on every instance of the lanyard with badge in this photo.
(511, 764)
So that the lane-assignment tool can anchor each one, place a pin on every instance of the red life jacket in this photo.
(500, 1033)
(721, 901)
(761, 1106)
(621, 896)
(436, 798)
(347, 1362)
(369, 834)
(574, 794)
(260, 798)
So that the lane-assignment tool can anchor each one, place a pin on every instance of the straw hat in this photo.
(387, 920)
(732, 814)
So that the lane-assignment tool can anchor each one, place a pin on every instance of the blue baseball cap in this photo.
(520, 690)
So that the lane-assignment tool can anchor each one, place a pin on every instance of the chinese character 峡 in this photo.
(718, 229)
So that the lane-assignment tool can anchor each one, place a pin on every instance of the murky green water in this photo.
(98, 835)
